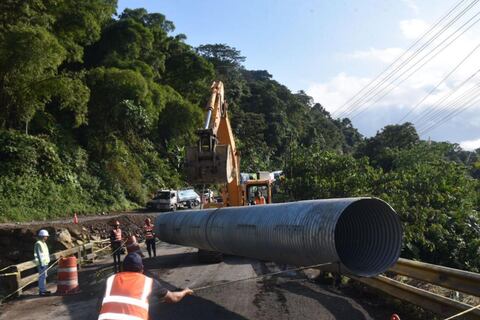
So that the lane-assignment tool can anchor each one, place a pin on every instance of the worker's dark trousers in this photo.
(116, 256)
(151, 247)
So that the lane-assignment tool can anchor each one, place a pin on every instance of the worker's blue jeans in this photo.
(42, 278)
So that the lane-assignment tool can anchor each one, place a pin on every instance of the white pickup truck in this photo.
(171, 200)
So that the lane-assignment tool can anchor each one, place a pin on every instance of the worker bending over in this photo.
(150, 237)
(127, 292)
(42, 259)
(133, 246)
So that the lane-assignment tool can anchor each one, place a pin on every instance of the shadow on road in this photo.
(339, 307)
(192, 307)
(168, 261)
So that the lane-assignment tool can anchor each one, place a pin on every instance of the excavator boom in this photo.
(214, 160)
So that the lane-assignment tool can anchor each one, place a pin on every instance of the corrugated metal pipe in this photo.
(363, 235)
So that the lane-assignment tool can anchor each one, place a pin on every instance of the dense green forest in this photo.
(97, 108)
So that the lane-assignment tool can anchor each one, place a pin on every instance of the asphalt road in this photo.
(289, 296)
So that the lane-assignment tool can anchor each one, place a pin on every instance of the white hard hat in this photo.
(43, 233)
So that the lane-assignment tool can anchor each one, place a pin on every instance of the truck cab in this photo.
(164, 200)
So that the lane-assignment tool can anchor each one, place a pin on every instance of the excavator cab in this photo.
(263, 187)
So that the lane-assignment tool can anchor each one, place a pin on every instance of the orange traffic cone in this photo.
(75, 218)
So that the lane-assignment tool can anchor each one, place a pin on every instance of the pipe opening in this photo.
(368, 237)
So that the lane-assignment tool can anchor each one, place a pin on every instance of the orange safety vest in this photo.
(149, 231)
(259, 200)
(126, 297)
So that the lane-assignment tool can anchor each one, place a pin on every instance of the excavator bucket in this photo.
(209, 166)
(210, 162)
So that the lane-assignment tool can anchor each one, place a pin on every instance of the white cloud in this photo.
(387, 55)
(334, 92)
(470, 144)
(412, 5)
(413, 28)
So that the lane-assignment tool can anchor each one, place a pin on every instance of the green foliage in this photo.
(316, 174)
(382, 147)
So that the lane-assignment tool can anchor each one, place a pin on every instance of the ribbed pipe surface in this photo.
(364, 235)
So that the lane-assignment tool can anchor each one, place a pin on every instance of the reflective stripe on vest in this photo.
(117, 316)
(126, 296)
(41, 253)
(148, 231)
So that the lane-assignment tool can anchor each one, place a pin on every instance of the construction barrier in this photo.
(67, 274)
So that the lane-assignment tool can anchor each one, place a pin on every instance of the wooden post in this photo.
(12, 280)
(80, 256)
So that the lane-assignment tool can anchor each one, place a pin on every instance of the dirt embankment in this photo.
(17, 241)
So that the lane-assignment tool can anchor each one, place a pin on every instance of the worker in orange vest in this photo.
(116, 243)
(259, 198)
(150, 237)
(126, 294)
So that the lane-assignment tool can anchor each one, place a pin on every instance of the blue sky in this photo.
(332, 48)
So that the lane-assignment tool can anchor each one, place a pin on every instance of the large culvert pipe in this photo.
(362, 235)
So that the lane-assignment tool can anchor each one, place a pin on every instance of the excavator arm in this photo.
(214, 160)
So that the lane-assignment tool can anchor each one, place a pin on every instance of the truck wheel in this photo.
(205, 256)
(196, 203)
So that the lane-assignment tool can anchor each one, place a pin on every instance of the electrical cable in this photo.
(451, 115)
(441, 100)
(455, 103)
(421, 66)
(441, 81)
(401, 56)
(413, 55)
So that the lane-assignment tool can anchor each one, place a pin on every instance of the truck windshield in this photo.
(162, 195)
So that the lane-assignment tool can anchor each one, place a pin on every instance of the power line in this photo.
(367, 96)
(386, 90)
(441, 81)
(459, 101)
(452, 114)
(454, 105)
(444, 98)
(421, 66)
(402, 55)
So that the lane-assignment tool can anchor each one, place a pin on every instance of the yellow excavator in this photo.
(215, 159)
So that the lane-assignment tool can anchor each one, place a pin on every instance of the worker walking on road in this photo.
(116, 242)
(150, 237)
(127, 292)
(42, 259)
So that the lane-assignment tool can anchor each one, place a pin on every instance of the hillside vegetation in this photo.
(97, 109)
